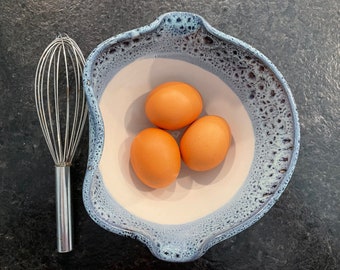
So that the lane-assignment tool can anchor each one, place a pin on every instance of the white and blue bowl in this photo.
(181, 222)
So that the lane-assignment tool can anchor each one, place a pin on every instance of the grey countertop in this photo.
(301, 231)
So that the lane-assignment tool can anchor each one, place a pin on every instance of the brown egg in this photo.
(173, 105)
(205, 143)
(155, 157)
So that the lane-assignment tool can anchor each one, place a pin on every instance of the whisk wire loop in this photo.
(61, 105)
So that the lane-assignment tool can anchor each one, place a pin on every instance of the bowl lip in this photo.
(93, 107)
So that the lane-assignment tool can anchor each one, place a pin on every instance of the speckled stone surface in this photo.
(302, 230)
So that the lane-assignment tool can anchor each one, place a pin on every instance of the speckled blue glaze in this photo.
(262, 90)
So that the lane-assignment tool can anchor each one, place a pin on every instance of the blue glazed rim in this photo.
(97, 140)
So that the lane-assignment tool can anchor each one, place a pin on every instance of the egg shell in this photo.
(173, 105)
(155, 157)
(204, 145)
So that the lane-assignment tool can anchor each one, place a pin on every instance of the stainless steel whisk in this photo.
(62, 111)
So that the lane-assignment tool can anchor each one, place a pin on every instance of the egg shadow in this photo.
(135, 118)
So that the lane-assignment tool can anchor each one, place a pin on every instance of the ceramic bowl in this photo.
(182, 221)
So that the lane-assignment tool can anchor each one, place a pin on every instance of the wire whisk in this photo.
(62, 112)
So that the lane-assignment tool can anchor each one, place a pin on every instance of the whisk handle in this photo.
(63, 208)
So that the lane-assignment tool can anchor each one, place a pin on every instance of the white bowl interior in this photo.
(194, 194)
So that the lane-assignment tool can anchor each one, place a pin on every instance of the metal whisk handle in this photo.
(63, 208)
